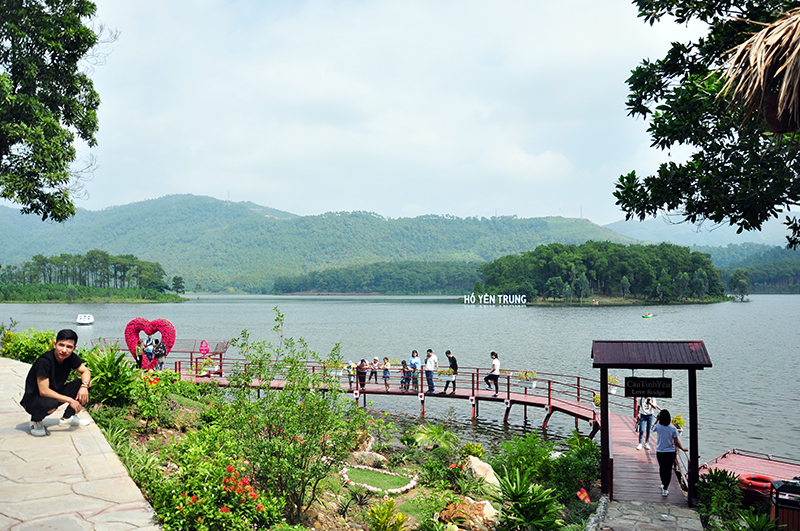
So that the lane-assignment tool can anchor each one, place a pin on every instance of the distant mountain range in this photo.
(220, 244)
(670, 230)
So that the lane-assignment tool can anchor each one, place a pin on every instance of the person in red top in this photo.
(46, 387)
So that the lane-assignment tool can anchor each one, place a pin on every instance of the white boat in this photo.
(85, 319)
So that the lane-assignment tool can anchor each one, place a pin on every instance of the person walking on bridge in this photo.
(493, 375)
(454, 368)
(645, 405)
(665, 448)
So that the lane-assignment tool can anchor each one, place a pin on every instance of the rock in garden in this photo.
(369, 459)
(479, 469)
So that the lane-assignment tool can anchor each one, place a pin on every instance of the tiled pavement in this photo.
(69, 481)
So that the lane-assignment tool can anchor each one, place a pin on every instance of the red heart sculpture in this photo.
(140, 324)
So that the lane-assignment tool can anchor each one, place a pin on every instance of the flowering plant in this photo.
(613, 380)
(445, 372)
(678, 421)
(526, 376)
(597, 400)
(222, 500)
(151, 392)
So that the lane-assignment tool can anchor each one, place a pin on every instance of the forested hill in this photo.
(220, 244)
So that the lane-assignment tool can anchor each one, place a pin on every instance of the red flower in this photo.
(259, 507)
(194, 499)
(253, 495)
(245, 481)
(224, 510)
(230, 469)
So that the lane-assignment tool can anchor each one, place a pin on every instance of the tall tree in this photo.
(739, 283)
(737, 173)
(45, 101)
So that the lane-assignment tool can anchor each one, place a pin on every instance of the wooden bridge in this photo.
(634, 473)
(567, 394)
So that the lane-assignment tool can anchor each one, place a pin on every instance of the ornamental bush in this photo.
(297, 436)
(28, 345)
(151, 392)
(219, 498)
(529, 454)
(113, 375)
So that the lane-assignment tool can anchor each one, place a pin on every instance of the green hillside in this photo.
(220, 244)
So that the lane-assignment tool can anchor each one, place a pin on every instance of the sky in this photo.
(403, 108)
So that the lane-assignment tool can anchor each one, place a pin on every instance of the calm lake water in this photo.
(747, 399)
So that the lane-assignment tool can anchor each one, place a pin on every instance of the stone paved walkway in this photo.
(640, 516)
(70, 481)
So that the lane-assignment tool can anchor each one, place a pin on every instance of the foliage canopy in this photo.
(45, 101)
(737, 173)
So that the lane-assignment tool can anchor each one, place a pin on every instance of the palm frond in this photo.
(765, 69)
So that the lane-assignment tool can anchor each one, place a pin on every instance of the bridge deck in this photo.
(543, 399)
(636, 471)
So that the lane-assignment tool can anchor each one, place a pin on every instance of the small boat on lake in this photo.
(648, 315)
(85, 319)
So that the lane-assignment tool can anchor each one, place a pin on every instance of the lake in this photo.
(744, 398)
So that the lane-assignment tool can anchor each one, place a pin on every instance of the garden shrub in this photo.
(27, 346)
(297, 436)
(195, 391)
(472, 449)
(113, 376)
(384, 517)
(529, 454)
(571, 472)
(440, 466)
(525, 504)
(151, 393)
(216, 498)
(719, 499)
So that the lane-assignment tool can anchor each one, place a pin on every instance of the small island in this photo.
(96, 277)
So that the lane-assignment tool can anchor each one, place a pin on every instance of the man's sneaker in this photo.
(646, 446)
(664, 492)
(38, 429)
(74, 421)
(489, 388)
(494, 395)
(639, 447)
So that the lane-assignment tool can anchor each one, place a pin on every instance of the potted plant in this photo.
(447, 375)
(678, 422)
(597, 401)
(613, 382)
(526, 379)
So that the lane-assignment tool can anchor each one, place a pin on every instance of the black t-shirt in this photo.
(453, 364)
(46, 366)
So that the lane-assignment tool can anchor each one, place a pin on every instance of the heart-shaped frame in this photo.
(140, 324)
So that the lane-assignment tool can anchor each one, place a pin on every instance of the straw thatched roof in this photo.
(764, 73)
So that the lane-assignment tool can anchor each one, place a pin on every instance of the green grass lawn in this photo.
(377, 479)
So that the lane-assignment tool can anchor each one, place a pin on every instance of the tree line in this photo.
(663, 272)
(390, 278)
(96, 269)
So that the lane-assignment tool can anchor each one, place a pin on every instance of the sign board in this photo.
(654, 387)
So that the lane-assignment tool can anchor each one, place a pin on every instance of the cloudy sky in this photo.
(404, 108)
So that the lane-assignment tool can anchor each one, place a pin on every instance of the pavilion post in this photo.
(605, 454)
(694, 452)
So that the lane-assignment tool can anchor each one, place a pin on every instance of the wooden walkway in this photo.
(636, 471)
(744, 462)
(553, 395)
